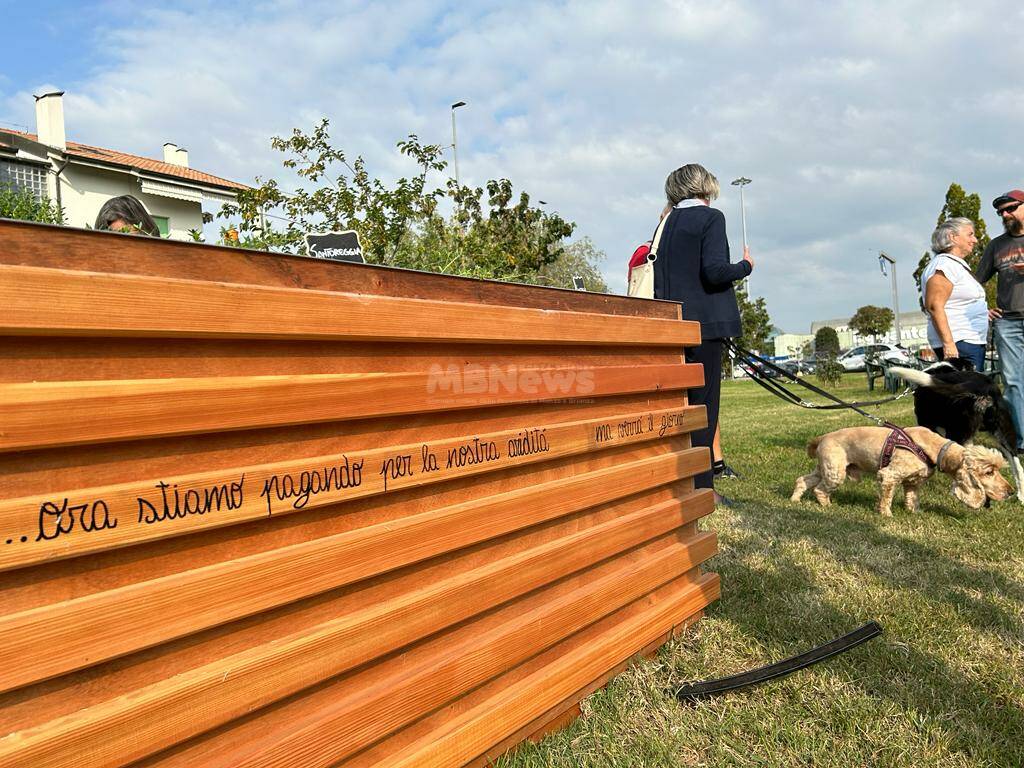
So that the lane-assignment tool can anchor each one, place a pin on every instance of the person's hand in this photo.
(949, 350)
(995, 313)
(747, 258)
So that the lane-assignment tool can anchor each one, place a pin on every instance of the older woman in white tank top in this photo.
(953, 299)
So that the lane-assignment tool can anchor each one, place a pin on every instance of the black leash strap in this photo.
(692, 691)
(754, 362)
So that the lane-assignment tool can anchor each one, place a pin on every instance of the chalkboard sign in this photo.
(337, 246)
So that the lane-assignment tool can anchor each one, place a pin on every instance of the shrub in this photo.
(829, 370)
(21, 204)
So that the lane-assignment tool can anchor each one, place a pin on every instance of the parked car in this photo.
(799, 367)
(854, 359)
(761, 370)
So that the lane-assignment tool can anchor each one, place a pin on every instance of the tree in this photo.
(960, 204)
(502, 237)
(754, 320)
(755, 328)
(345, 196)
(506, 241)
(579, 259)
(826, 342)
(872, 321)
(21, 204)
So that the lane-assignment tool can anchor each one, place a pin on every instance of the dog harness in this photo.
(898, 438)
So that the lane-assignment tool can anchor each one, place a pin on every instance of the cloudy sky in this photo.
(851, 118)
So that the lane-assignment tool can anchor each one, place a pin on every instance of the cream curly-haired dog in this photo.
(849, 452)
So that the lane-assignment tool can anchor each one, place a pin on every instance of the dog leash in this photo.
(694, 691)
(753, 362)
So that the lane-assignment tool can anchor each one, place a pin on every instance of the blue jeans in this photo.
(973, 352)
(1010, 344)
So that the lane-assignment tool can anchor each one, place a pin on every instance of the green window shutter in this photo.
(164, 225)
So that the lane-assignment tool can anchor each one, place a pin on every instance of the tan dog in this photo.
(848, 452)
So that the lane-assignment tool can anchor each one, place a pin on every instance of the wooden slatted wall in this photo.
(268, 511)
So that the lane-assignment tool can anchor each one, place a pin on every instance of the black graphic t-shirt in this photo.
(999, 256)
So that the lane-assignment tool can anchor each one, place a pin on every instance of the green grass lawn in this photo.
(944, 686)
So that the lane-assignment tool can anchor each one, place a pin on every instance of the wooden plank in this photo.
(144, 721)
(158, 507)
(42, 471)
(71, 413)
(564, 714)
(42, 245)
(45, 302)
(344, 717)
(423, 731)
(73, 358)
(176, 588)
(91, 628)
(57, 697)
(470, 733)
(39, 472)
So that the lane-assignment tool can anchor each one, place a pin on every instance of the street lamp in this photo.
(455, 149)
(883, 257)
(741, 182)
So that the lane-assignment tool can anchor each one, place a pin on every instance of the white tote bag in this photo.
(641, 277)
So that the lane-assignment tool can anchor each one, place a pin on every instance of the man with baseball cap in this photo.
(1004, 257)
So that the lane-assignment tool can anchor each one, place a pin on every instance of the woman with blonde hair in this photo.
(693, 267)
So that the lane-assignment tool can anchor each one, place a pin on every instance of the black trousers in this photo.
(708, 354)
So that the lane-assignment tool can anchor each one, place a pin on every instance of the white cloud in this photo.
(851, 118)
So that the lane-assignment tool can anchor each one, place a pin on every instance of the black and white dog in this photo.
(957, 401)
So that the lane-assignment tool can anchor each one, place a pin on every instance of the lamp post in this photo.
(883, 257)
(741, 182)
(455, 149)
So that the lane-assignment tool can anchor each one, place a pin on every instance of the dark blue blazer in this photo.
(693, 267)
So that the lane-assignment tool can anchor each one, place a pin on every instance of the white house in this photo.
(80, 178)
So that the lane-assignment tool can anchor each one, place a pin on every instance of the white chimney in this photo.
(175, 155)
(50, 119)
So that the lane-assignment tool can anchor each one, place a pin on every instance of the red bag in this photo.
(640, 280)
(638, 258)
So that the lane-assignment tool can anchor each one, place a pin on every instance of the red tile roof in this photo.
(125, 160)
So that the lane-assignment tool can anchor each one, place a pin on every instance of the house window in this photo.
(24, 176)
(163, 223)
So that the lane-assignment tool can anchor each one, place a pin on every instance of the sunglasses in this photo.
(1008, 209)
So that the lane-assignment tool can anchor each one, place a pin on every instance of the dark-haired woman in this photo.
(126, 214)
(693, 267)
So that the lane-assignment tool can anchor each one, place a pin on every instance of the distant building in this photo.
(913, 335)
(913, 331)
(80, 178)
(792, 344)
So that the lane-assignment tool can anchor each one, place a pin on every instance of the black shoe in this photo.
(723, 471)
